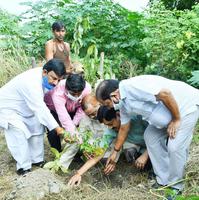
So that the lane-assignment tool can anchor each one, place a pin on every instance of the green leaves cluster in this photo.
(171, 42)
(89, 145)
(159, 41)
(194, 80)
(92, 145)
(55, 165)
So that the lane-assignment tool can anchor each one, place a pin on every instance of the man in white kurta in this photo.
(171, 109)
(23, 113)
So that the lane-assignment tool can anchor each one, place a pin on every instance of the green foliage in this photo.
(10, 31)
(194, 80)
(179, 4)
(179, 197)
(172, 42)
(9, 24)
(101, 23)
(163, 42)
(91, 145)
(81, 27)
(55, 165)
(12, 62)
(193, 197)
(196, 135)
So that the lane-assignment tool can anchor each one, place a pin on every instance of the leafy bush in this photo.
(179, 4)
(171, 42)
(194, 80)
(163, 42)
(112, 28)
(92, 145)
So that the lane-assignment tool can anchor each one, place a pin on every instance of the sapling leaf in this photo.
(64, 169)
(55, 152)
(49, 165)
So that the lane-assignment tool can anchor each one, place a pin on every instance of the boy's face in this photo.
(113, 124)
(59, 35)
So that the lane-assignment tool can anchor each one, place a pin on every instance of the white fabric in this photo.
(22, 104)
(92, 125)
(24, 151)
(67, 157)
(138, 95)
(85, 124)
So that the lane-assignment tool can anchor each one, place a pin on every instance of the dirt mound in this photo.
(35, 185)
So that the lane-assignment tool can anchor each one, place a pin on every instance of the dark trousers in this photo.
(53, 138)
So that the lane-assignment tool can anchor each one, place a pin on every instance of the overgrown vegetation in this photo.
(171, 42)
(159, 41)
(12, 62)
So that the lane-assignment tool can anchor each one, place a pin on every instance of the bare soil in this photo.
(125, 183)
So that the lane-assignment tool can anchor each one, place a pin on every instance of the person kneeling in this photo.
(134, 147)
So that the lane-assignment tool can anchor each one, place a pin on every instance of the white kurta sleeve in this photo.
(34, 98)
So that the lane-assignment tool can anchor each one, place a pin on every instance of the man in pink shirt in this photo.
(64, 102)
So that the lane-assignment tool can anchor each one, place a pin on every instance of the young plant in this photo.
(91, 145)
(70, 138)
(55, 165)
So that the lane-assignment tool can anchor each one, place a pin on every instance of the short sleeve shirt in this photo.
(135, 135)
(138, 97)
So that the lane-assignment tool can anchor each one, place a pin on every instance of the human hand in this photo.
(141, 161)
(72, 138)
(69, 139)
(172, 128)
(59, 130)
(88, 155)
(111, 163)
(75, 180)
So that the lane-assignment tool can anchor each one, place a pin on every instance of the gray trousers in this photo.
(169, 159)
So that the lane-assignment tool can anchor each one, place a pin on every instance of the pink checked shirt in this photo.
(57, 100)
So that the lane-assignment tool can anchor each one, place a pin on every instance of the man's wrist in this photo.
(115, 149)
(59, 130)
(77, 173)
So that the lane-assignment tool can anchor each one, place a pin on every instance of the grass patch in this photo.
(12, 62)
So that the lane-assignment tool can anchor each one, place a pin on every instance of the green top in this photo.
(135, 135)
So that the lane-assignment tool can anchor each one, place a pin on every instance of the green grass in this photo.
(196, 135)
(12, 63)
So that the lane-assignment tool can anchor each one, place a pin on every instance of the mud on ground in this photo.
(125, 183)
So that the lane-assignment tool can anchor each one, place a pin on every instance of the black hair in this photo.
(75, 83)
(105, 113)
(105, 88)
(57, 26)
(55, 65)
